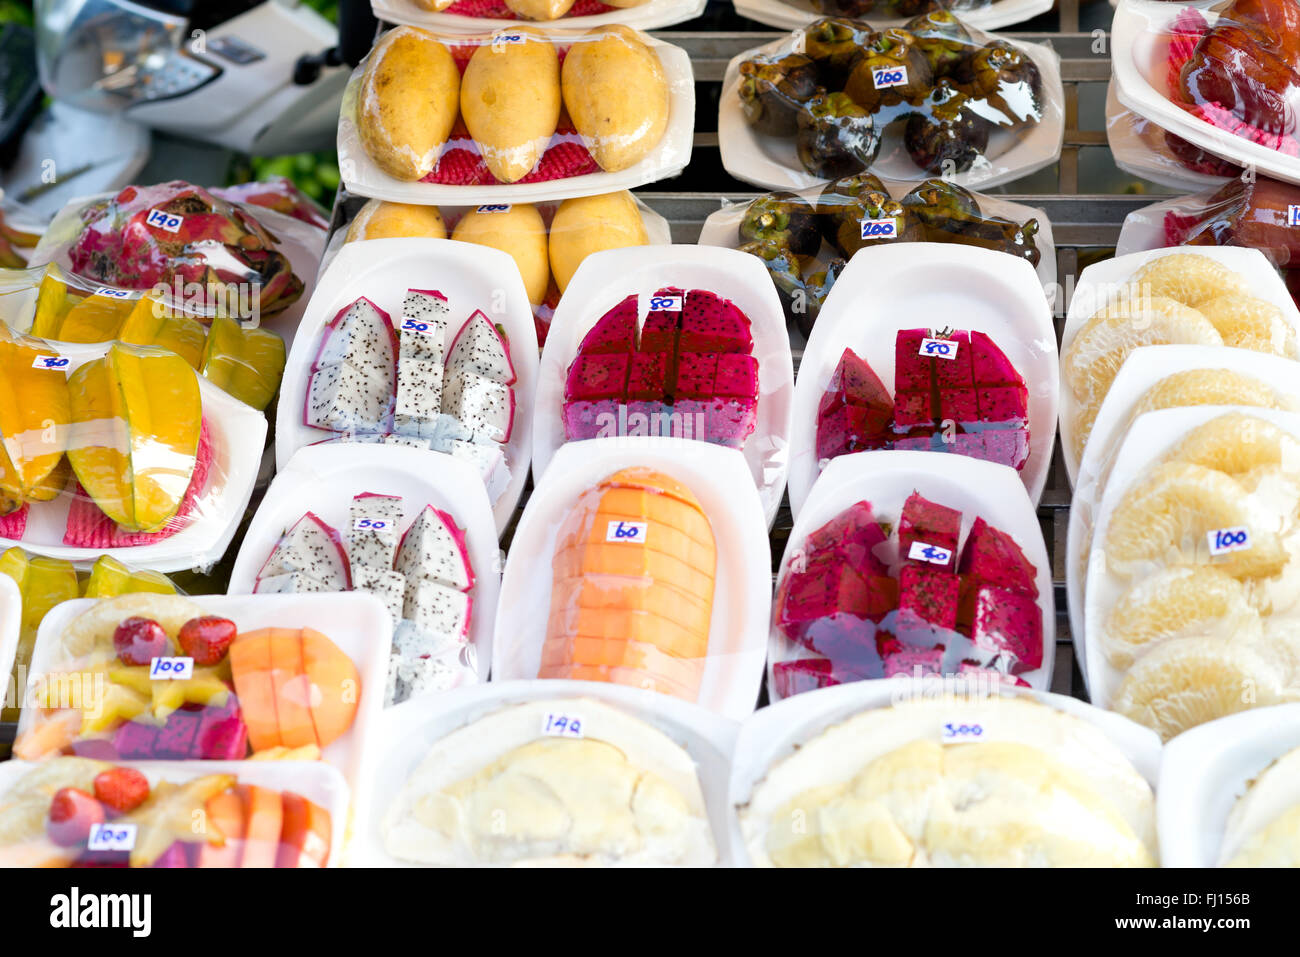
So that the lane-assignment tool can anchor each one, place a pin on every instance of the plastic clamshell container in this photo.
(999, 13)
(650, 15)
(1138, 147)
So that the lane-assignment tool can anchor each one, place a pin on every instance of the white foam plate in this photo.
(1151, 436)
(362, 177)
(1204, 772)
(606, 278)
(650, 15)
(318, 782)
(1101, 282)
(1141, 370)
(772, 733)
(237, 433)
(356, 622)
(1001, 13)
(773, 163)
(325, 478)
(1144, 228)
(1140, 47)
(721, 228)
(1138, 147)
(11, 615)
(742, 596)
(935, 284)
(471, 277)
(409, 730)
(885, 479)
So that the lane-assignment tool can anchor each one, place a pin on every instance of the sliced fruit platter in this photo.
(659, 573)
(1218, 296)
(872, 381)
(633, 779)
(123, 450)
(520, 114)
(474, 16)
(1230, 792)
(422, 343)
(1191, 590)
(986, 14)
(412, 529)
(907, 773)
(901, 566)
(805, 238)
(164, 677)
(672, 341)
(85, 812)
(932, 98)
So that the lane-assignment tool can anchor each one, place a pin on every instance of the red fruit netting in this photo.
(496, 10)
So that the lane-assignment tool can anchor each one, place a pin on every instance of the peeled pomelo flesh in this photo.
(1189, 278)
(1246, 322)
(1236, 443)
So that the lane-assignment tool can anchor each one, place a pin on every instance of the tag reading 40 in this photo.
(922, 552)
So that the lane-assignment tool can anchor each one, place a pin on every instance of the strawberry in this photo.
(72, 814)
(121, 789)
(207, 639)
(139, 640)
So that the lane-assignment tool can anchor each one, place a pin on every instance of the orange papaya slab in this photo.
(250, 669)
(225, 811)
(265, 816)
(632, 561)
(613, 592)
(603, 525)
(651, 507)
(292, 688)
(622, 676)
(623, 653)
(636, 625)
(336, 686)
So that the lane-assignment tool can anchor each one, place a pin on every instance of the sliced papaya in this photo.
(336, 686)
(35, 409)
(301, 843)
(136, 413)
(292, 688)
(640, 625)
(633, 561)
(225, 811)
(603, 524)
(652, 507)
(620, 653)
(250, 669)
(610, 592)
(246, 363)
(265, 816)
(154, 323)
(632, 677)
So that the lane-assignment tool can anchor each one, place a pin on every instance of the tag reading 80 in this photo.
(938, 348)
(51, 362)
(665, 303)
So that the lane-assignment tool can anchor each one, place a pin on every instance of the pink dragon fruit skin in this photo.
(1010, 624)
(710, 323)
(853, 536)
(992, 557)
(930, 594)
(659, 333)
(790, 678)
(275, 564)
(614, 332)
(930, 523)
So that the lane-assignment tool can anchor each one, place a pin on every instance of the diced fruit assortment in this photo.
(685, 370)
(374, 382)
(940, 609)
(954, 391)
(423, 575)
(1194, 622)
(1179, 298)
(633, 586)
(211, 820)
(277, 691)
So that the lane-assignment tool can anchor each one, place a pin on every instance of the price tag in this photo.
(665, 303)
(939, 348)
(633, 532)
(880, 228)
(167, 669)
(494, 208)
(414, 325)
(502, 39)
(1224, 540)
(111, 837)
(921, 552)
(51, 362)
(960, 732)
(889, 76)
(112, 293)
(1293, 215)
(163, 220)
(377, 524)
(562, 725)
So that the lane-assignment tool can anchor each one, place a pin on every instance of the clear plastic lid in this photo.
(474, 16)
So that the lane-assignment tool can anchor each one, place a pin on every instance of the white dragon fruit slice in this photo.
(419, 396)
(447, 429)
(375, 438)
(490, 462)
(392, 688)
(388, 586)
(342, 398)
(312, 550)
(363, 335)
(481, 349)
(484, 407)
(418, 677)
(434, 548)
(438, 610)
(410, 441)
(290, 583)
(372, 540)
(423, 331)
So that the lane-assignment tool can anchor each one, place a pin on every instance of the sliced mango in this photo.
(154, 323)
(246, 363)
(136, 414)
(35, 410)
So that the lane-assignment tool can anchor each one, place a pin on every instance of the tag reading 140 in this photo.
(562, 725)
(51, 362)
(171, 669)
(1224, 540)
(956, 732)
(629, 532)
(164, 220)
(921, 552)
(111, 837)
(939, 348)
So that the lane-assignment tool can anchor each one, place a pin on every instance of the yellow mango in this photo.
(588, 224)
(510, 101)
(97, 318)
(246, 363)
(517, 230)
(53, 301)
(154, 323)
(34, 414)
(136, 413)
(379, 219)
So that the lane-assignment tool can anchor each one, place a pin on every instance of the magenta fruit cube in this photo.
(647, 378)
(1007, 446)
(959, 405)
(737, 376)
(989, 364)
(590, 419)
(696, 372)
(597, 377)
(1003, 403)
(912, 408)
(912, 371)
(802, 674)
(911, 662)
(955, 373)
(931, 524)
(992, 557)
(852, 536)
(1009, 624)
(930, 594)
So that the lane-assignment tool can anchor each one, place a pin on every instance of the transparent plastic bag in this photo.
(933, 98)
(279, 194)
(474, 16)
(93, 812)
(519, 110)
(1144, 149)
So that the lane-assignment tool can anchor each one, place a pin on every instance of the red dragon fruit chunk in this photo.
(712, 324)
(597, 377)
(614, 332)
(648, 377)
(992, 557)
(853, 536)
(222, 734)
(989, 364)
(955, 372)
(928, 523)
(790, 678)
(912, 371)
(930, 594)
(855, 411)
(659, 333)
(1010, 624)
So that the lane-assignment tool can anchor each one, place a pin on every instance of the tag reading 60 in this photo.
(562, 725)
(665, 303)
(51, 362)
(955, 731)
(634, 532)
(1224, 540)
(889, 76)
(163, 220)
(939, 348)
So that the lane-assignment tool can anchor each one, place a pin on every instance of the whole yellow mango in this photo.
(517, 230)
(589, 224)
(510, 101)
(539, 9)
(382, 220)
(406, 105)
(617, 96)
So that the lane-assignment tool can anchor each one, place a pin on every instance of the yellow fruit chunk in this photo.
(1237, 443)
(174, 813)
(308, 752)
(110, 578)
(97, 318)
(1177, 603)
(206, 687)
(53, 301)
(34, 414)
(107, 707)
(153, 323)
(1249, 323)
(1209, 387)
(246, 363)
(1189, 278)
(43, 583)
(137, 415)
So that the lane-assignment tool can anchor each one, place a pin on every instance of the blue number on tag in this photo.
(417, 326)
(963, 730)
(937, 348)
(661, 303)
